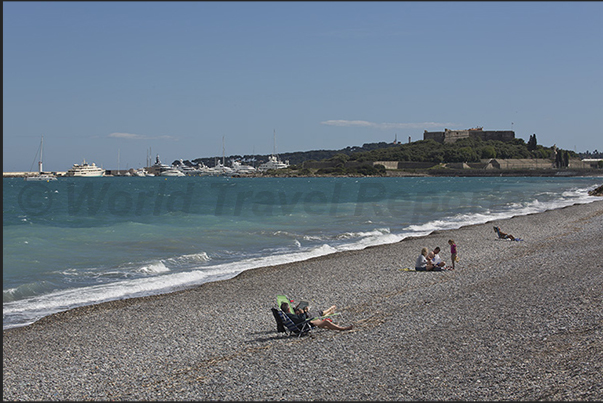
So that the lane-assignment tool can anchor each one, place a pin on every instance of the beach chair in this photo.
(291, 328)
(285, 324)
(502, 235)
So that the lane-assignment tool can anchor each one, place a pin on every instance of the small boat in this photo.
(41, 176)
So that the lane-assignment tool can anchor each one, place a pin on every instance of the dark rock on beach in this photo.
(596, 192)
(514, 321)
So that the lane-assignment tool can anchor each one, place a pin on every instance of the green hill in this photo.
(427, 151)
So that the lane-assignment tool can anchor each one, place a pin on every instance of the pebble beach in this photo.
(513, 321)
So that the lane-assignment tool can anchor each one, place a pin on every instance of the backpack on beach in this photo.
(280, 327)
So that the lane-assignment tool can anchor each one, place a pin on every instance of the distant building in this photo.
(450, 136)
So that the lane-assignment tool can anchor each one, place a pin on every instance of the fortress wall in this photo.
(453, 135)
(436, 136)
(450, 136)
(387, 164)
(500, 135)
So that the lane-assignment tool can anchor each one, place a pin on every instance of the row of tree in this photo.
(562, 159)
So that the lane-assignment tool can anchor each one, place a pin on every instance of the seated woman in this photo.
(301, 315)
(503, 235)
(424, 263)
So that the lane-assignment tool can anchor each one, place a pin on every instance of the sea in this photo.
(82, 241)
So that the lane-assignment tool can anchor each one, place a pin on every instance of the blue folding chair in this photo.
(291, 328)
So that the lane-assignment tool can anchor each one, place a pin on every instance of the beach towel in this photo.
(283, 298)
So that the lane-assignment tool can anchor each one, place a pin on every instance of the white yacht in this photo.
(172, 172)
(221, 170)
(158, 167)
(273, 163)
(142, 172)
(85, 170)
(189, 171)
(239, 168)
(203, 169)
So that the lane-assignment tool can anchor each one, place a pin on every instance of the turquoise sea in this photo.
(81, 241)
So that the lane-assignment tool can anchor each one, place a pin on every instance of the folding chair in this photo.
(291, 328)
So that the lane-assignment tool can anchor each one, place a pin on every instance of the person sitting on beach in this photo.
(503, 235)
(302, 315)
(435, 257)
(423, 261)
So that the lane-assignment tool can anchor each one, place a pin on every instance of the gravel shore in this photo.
(514, 321)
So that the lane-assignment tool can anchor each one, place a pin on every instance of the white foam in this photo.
(158, 267)
(191, 258)
(31, 309)
(28, 310)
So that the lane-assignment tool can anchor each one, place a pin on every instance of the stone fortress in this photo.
(450, 136)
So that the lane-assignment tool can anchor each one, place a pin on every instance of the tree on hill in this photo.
(532, 142)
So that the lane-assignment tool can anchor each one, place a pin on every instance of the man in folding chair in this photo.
(299, 317)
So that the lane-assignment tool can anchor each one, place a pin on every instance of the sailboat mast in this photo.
(41, 148)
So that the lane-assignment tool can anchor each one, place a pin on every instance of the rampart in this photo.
(450, 136)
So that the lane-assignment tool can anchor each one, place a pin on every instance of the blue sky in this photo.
(99, 79)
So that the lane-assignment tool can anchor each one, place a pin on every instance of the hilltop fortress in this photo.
(450, 136)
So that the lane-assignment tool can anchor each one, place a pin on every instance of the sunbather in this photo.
(503, 235)
(301, 316)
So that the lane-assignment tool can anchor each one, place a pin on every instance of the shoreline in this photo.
(392, 173)
(515, 320)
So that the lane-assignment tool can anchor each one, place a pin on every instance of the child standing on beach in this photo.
(453, 255)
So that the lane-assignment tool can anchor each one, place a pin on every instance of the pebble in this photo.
(514, 321)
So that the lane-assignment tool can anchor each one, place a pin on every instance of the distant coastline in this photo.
(401, 173)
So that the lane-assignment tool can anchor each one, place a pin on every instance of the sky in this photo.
(111, 82)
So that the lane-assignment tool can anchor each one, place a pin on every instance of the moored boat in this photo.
(85, 170)
(273, 163)
(172, 172)
(41, 176)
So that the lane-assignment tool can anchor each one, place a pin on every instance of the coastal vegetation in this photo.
(463, 150)
(360, 160)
